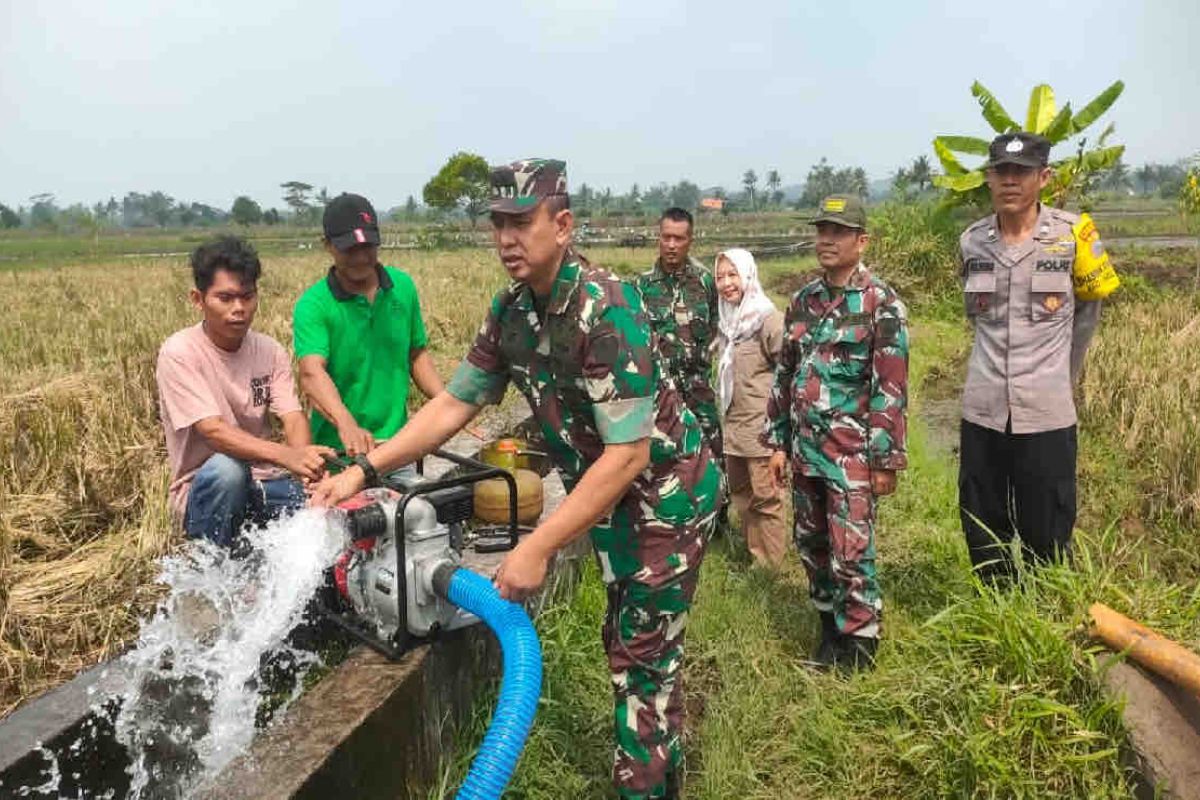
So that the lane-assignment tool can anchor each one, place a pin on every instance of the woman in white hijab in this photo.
(749, 341)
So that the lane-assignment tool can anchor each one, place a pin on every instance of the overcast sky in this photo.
(209, 100)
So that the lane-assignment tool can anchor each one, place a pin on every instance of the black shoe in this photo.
(828, 649)
(856, 653)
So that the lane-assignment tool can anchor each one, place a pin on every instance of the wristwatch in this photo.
(370, 476)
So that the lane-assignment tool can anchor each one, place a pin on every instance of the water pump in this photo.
(400, 581)
(381, 588)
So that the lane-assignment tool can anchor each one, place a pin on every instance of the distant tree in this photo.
(857, 182)
(159, 207)
(921, 174)
(1170, 180)
(77, 217)
(411, 209)
(186, 214)
(656, 199)
(902, 182)
(43, 213)
(817, 185)
(1146, 176)
(323, 198)
(271, 216)
(685, 194)
(584, 197)
(245, 211)
(9, 218)
(635, 199)
(462, 183)
(1117, 177)
(750, 184)
(774, 182)
(295, 194)
(111, 208)
(605, 200)
(133, 211)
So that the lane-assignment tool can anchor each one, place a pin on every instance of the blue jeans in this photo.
(224, 495)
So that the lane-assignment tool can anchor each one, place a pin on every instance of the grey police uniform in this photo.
(1018, 434)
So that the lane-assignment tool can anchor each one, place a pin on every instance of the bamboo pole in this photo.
(1148, 648)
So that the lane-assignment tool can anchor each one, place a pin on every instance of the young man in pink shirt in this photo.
(216, 382)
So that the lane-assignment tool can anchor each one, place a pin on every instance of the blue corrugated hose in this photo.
(519, 688)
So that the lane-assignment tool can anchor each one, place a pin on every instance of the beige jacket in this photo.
(753, 372)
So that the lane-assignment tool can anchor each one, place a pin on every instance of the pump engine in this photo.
(381, 587)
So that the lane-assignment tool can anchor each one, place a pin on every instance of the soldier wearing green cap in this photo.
(1018, 437)
(576, 341)
(681, 298)
(836, 416)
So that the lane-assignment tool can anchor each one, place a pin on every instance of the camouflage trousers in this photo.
(835, 534)
(701, 399)
(643, 638)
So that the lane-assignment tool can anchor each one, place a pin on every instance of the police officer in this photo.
(575, 340)
(681, 298)
(836, 412)
(1018, 444)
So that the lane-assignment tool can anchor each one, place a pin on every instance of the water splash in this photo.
(192, 682)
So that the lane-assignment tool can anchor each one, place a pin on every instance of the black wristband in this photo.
(370, 476)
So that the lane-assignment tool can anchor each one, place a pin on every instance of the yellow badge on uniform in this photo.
(834, 206)
(1052, 303)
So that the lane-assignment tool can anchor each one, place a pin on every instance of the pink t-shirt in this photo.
(197, 380)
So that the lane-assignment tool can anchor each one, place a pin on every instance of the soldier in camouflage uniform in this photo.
(575, 340)
(836, 413)
(681, 298)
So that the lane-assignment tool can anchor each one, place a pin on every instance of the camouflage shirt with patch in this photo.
(837, 405)
(585, 364)
(683, 310)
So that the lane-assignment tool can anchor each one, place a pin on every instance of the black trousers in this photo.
(1019, 484)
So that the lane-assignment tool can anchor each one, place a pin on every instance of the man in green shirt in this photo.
(359, 336)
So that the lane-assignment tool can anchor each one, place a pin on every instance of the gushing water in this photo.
(192, 681)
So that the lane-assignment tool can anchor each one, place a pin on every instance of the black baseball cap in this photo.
(1025, 149)
(350, 220)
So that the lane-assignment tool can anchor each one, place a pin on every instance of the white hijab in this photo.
(740, 321)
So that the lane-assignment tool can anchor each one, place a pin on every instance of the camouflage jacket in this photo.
(838, 401)
(586, 366)
(683, 311)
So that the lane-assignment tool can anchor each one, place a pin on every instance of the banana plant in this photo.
(1072, 175)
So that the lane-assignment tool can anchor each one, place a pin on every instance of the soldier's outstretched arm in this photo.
(601, 487)
(438, 420)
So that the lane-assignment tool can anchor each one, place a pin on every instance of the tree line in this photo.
(460, 189)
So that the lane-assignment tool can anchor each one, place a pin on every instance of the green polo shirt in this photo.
(367, 347)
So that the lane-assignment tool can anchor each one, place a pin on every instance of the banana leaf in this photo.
(965, 144)
(950, 164)
(1092, 111)
(993, 112)
(959, 183)
(1103, 158)
(1112, 126)
(1059, 127)
(1041, 109)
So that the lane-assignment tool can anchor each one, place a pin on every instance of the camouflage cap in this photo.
(518, 187)
(846, 210)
